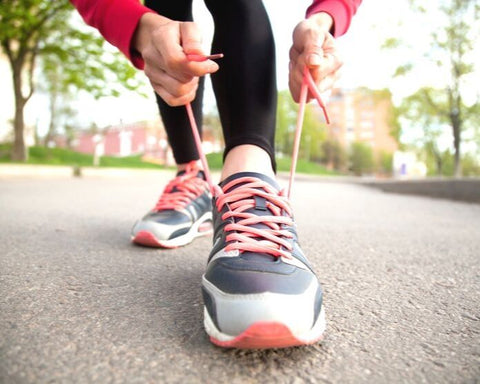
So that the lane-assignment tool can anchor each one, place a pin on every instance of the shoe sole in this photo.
(265, 335)
(202, 227)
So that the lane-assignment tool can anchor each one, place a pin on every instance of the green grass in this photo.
(305, 166)
(215, 161)
(61, 156)
(283, 165)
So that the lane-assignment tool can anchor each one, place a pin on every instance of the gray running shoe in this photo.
(183, 212)
(259, 289)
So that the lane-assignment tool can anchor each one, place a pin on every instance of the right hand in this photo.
(164, 45)
(315, 48)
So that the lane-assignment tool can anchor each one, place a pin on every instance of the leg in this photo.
(175, 118)
(245, 85)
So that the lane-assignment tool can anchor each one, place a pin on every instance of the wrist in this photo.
(323, 20)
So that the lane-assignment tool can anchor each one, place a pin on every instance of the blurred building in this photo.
(146, 138)
(362, 115)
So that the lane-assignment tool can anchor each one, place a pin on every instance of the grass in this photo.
(283, 165)
(61, 156)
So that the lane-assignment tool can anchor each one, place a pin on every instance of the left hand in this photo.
(314, 47)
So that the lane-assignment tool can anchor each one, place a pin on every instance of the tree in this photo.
(451, 47)
(385, 163)
(42, 31)
(25, 25)
(314, 134)
(286, 118)
(313, 130)
(334, 155)
(419, 111)
(361, 158)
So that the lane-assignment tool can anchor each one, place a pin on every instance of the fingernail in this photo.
(314, 59)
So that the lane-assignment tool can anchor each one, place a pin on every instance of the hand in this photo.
(163, 45)
(314, 47)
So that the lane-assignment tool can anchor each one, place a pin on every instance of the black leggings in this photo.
(244, 86)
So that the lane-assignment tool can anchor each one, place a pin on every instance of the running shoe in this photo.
(259, 289)
(183, 212)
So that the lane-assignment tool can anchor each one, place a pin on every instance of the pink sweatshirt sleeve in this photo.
(116, 20)
(341, 11)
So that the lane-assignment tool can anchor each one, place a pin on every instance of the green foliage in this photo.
(127, 162)
(215, 162)
(471, 165)
(286, 118)
(452, 38)
(403, 70)
(361, 158)
(84, 61)
(314, 134)
(334, 155)
(71, 58)
(61, 156)
(391, 43)
(303, 166)
(313, 130)
(385, 163)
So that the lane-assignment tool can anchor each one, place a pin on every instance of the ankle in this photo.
(247, 158)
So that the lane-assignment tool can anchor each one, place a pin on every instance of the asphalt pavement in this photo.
(80, 304)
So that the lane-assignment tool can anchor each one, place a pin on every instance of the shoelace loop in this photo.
(182, 189)
(242, 235)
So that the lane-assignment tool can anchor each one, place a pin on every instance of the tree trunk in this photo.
(457, 129)
(456, 144)
(19, 152)
(53, 117)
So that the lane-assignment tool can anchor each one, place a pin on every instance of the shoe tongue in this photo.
(260, 176)
(260, 208)
(200, 174)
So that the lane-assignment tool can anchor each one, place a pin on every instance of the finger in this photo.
(191, 38)
(294, 90)
(330, 64)
(168, 40)
(293, 53)
(313, 50)
(295, 84)
(172, 100)
(172, 85)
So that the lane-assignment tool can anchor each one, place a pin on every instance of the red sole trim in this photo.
(147, 239)
(264, 335)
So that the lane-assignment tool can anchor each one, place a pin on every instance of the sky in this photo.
(365, 63)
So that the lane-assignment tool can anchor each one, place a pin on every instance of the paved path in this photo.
(79, 303)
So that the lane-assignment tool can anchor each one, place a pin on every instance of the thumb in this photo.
(314, 59)
(191, 38)
(313, 50)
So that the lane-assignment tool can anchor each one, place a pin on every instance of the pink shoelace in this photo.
(242, 236)
(182, 189)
